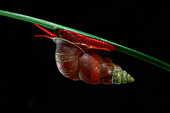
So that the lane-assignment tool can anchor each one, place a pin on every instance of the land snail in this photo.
(76, 59)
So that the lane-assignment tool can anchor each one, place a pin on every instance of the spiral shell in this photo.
(121, 76)
(89, 67)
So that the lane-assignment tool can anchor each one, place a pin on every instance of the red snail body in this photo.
(76, 59)
(84, 42)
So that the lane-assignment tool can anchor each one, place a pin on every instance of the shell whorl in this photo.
(120, 76)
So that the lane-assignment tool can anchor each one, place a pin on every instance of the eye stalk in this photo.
(48, 32)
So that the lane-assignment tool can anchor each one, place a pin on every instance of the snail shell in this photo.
(76, 64)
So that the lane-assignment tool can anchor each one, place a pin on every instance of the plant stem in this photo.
(119, 47)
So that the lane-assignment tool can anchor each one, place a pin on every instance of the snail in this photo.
(77, 59)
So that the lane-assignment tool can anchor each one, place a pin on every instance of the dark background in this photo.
(31, 82)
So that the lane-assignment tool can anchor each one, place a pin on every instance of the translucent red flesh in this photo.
(84, 41)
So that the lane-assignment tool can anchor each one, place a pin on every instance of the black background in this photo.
(31, 82)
